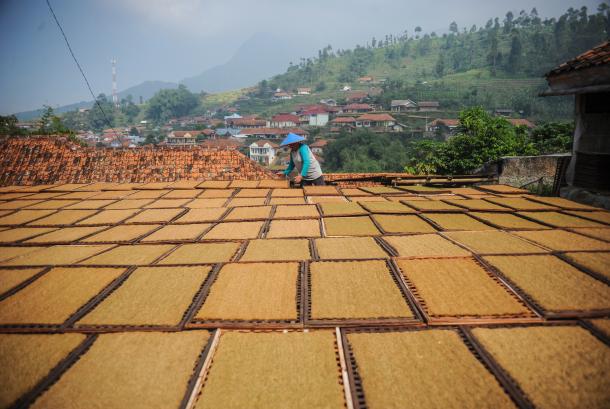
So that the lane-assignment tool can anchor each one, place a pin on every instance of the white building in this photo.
(263, 152)
(316, 117)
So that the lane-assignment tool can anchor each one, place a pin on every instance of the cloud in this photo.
(191, 17)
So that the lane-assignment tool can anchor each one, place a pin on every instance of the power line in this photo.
(81, 70)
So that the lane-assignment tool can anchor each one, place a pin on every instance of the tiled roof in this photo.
(445, 121)
(229, 294)
(376, 117)
(357, 107)
(285, 118)
(320, 143)
(248, 122)
(521, 122)
(53, 160)
(343, 120)
(428, 104)
(356, 95)
(272, 131)
(596, 56)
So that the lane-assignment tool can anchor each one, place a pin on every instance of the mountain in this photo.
(36, 113)
(145, 90)
(260, 57)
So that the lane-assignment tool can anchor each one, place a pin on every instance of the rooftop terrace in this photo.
(246, 293)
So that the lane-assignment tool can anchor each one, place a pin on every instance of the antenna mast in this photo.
(115, 97)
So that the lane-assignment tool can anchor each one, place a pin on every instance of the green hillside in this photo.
(498, 65)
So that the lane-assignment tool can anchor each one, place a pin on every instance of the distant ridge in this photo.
(146, 90)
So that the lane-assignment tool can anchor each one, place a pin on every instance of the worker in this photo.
(301, 158)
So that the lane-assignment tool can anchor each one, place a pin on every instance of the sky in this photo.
(168, 40)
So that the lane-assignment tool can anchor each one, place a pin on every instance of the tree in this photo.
(170, 103)
(417, 31)
(49, 123)
(481, 138)
(514, 58)
(553, 137)
(492, 56)
(8, 125)
(365, 151)
(453, 27)
(440, 65)
(102, 114)
(508, 22)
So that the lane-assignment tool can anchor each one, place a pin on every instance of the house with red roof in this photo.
(271, 133)
(182, 138)
(385, 121)
(318, 146)
(243, 123)
(356, 96)
(284, 121)
(357, 108)
(317, 116)
(343, 123)
(281, 95)
(439, 123)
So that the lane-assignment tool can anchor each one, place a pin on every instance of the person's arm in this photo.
(290, 167)
(304, 152)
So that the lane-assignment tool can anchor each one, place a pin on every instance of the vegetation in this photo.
(365, 151)
(480, 138)
(171, 103)
(498, 65)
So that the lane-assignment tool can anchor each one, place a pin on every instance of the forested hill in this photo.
(500, 64)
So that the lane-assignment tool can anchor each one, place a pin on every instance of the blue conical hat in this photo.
(292, 138)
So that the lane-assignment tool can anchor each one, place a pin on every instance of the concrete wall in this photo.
(519, 170)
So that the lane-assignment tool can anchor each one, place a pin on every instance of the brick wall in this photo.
(42, 160)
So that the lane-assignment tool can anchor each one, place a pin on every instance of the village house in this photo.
(403, 105)
(428, 106)
(209, 133)
(304, 91)
(385, 121)
(284, 121)
(344, 122)
(318, 146)
(329, 102)
(356, 96)
(441, 128)
(270, 133)
(182, 138)
(222, 143)
(244, 123)
(281, 95)
(316, 116)
(365, 79)
(357, 108)
(231, 117)
(263, 152)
